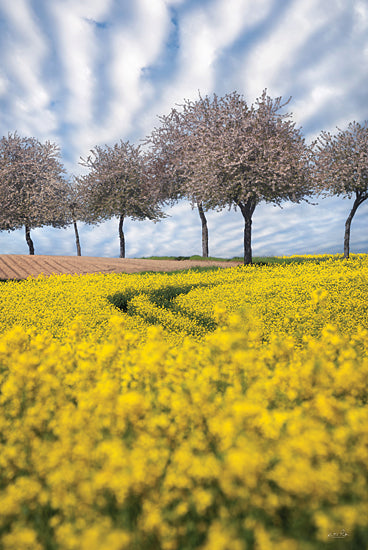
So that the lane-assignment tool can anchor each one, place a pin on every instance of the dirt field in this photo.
(16, 266)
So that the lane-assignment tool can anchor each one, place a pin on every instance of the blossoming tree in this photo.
(118, 184)
(341, 168)
(229, 154)
(168, 157)
(32, 185)
(76, 208)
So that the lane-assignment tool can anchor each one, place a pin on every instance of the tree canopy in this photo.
(168, 161)
(341, 168)
(118, 184)
(227, 154)
(32, 185)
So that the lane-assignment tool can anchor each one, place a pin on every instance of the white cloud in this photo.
(103, 73)
(77, 51)
(75, 24)
(204, 31)
(320, 96)
(319, 57)
(3, 85)
(29, 96)
(135, 45)
(360, 16)
(270, 60)
(13, 243)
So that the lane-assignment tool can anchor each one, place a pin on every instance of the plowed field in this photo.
(17, 266)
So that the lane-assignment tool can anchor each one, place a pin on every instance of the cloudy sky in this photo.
(91, 72)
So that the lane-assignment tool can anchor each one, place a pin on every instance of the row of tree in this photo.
(216, 152)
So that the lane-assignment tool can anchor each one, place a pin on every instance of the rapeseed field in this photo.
(220, 410)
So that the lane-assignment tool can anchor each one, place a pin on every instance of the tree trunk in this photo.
(204, 231)
(360, 197)
(29, 240)
(121, 237)
(247, 210)
(77, 241)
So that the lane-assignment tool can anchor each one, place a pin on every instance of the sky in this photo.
(82, 73)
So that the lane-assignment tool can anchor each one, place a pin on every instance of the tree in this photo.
(32, 186)
(118, 184)
(168, 158)
(341, 168)
(76, 208)
(229, 154)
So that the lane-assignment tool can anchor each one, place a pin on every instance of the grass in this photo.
(257, 260)
(195, 257)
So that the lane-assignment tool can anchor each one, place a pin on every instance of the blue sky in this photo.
(88, 72)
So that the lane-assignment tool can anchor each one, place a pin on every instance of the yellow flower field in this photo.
(218, 410)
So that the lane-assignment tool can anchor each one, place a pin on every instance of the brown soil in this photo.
(16, 266)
